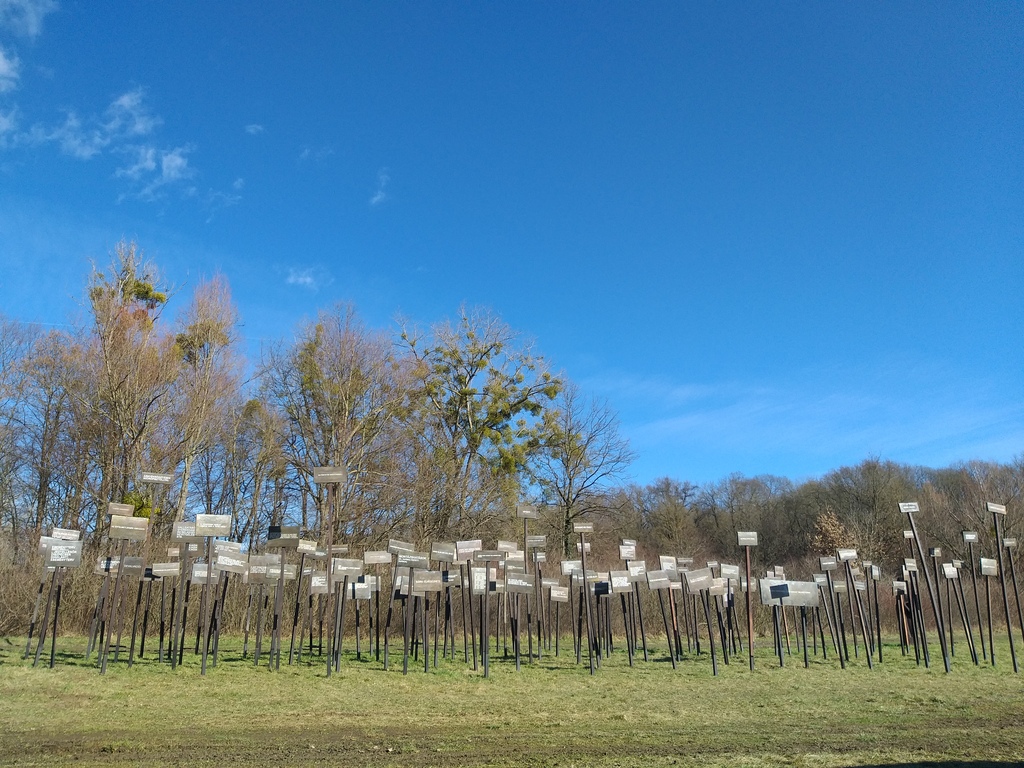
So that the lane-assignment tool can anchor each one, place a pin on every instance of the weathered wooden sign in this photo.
(66, 534)
(637, 570)
(731, 572)
(488, 556)
(396, 547)
(527, 513)
(657, 580)
(128, 528)
(442, 552)
(318, 583)
(996, 509)
(620, 582)
(746, 538)
(909, 506)
(464, 549)
(970, 537)
(843, 555)
(283, 537)
(698, 580)
(185, 532)
(124, 510)
(64, 554)
(348, 567)
(582, 527)
(827, 563)
(627, 551)
(323, 475)
(376, 557)
(156, 478)
(213, 525)
(306, 547)
(413, 560)
(989, 567)
(232, 562)
(537, 542)
(164, 570)
(570, 567)
(559, 594)
(478, 578)
(519, 583)
(426, 581)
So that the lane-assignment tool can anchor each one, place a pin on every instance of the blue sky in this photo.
(777, 238)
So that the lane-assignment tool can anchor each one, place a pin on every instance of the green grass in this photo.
(552, 713)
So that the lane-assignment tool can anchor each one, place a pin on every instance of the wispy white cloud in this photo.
(171, 168)
(238, 184)
(303, 278)
(8, 124)
(129, 116)
(315, 154)
(819, 421)
(254, 129)
(25, 17)
(217, 200)
(10, 71)
(383, 179)
(145, 163)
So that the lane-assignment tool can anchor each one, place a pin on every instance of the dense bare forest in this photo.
(443, 430)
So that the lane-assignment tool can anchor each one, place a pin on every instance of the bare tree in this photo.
(583, 454)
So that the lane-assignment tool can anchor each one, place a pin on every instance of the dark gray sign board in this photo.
(442, 552)
(323, 475)
(413, 560)
(376, 557)
(125, 510)
(396, 547)
(128, 528)
(64, 554)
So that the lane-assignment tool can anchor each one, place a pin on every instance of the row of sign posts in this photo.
(416, 588)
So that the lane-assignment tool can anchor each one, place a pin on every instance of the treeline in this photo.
(442, 430)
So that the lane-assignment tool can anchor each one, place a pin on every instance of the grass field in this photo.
(552, 713)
